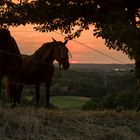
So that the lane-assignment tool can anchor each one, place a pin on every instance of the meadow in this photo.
(71, 90)
(69, 102)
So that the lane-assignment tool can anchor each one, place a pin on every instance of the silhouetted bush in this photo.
(126, 100)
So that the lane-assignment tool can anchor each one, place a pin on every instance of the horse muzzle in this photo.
(65, 65)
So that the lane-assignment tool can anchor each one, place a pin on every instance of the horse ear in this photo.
(54, 40)
(65, 42)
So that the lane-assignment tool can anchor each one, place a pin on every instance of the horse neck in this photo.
(45, 54)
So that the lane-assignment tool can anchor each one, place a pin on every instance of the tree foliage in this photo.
(116, 21)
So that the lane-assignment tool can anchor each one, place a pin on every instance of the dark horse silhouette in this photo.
(10, 60)
(38, 67)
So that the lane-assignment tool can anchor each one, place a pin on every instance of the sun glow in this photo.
(18, 1)
(74, 62)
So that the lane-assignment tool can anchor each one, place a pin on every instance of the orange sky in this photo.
(30, 40)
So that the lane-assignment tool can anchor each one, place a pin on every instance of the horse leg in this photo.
(47, 97)
(14, 94)
(37, 94)
(48, 85)
(19, 91)
(11, 88)
(0, 89)
(1, 96)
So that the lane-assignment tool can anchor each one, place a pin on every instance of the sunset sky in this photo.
(30, 40)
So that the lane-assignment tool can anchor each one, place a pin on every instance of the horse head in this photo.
(61, 54)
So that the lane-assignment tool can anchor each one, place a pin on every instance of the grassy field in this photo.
(42, 124)
(68, 122)
(61, 102)
(71, 102)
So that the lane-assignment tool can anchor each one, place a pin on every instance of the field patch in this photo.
(72, 102)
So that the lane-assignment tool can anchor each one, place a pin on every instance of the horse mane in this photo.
(44, 51)
(7, 42)
(51, 51)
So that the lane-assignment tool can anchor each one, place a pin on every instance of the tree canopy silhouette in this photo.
(116, 21)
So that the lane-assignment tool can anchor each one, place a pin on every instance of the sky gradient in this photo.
(30, 40)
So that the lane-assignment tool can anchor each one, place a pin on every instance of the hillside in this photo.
(101, 67)
(93, 80)
(41, 124)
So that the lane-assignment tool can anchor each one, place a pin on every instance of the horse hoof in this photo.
(13, 106)
(19, 102)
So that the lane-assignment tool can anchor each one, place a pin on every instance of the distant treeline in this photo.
(92, 84)
(108, 90)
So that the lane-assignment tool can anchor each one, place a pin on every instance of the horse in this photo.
(38, 68)
(10, 60)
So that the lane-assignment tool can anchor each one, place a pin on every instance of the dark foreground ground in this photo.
(42, 124)
(28, 123)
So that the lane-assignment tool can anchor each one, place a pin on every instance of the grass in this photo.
(41, 124)
(71, 102)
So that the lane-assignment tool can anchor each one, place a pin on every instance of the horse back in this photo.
(34, 71)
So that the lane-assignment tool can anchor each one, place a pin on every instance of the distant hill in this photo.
(101, 67)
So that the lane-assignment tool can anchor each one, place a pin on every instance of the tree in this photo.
(121, 27)
(116, 21)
